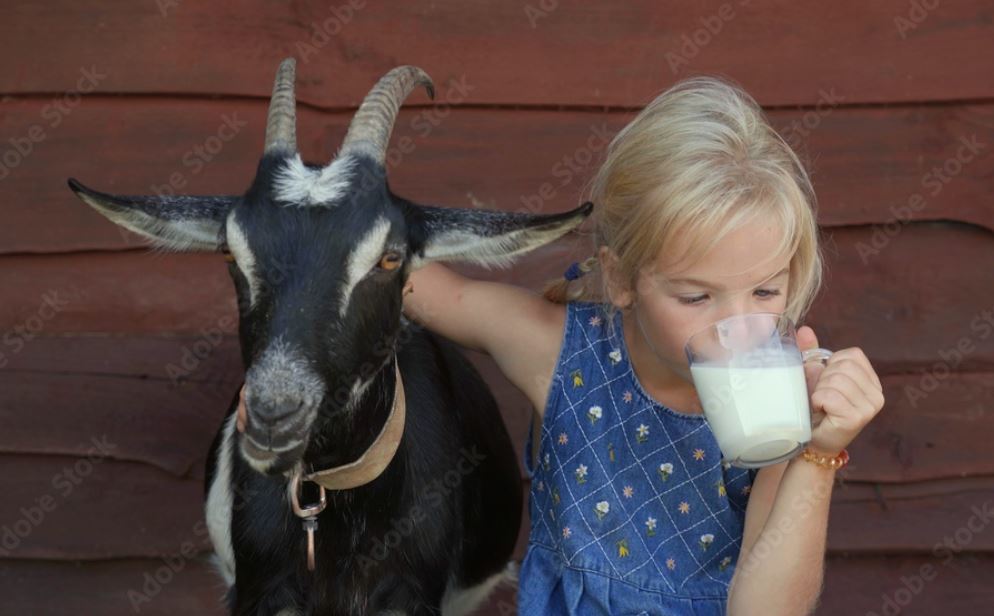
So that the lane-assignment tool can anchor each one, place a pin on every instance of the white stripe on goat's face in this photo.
(365, 254)
(297, 185)
(244, 259)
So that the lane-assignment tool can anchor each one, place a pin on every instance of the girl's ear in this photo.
(619, 291)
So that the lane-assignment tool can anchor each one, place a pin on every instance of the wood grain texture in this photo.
(907, 304)
(529, 53)
(869, 165)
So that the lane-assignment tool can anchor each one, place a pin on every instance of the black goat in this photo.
(320, 256)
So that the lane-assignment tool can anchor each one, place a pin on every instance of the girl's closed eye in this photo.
(761, 293)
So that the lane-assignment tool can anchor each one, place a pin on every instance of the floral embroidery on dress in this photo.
(581, 473)
(623, 548)
(602, 509)
(706, 541)
(669, 509)
(577, 378)
(721, 488)
(724, 563)
(595, 413)
(665, 470)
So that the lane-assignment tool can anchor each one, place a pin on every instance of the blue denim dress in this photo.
(632, 509)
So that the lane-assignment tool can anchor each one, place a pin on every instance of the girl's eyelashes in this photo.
(762, 293)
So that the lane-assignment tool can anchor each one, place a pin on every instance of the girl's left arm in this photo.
(781, 573)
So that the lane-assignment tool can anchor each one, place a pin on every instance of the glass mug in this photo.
(749, 376)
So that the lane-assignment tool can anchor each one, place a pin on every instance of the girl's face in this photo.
(738, 276)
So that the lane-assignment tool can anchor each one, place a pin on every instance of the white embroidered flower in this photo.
(567, 532)
(602, 508)
(650, 523)
(666, 467)
(707, 539)
(615, 355)
(581, 471)
(643, 430)
(595, 413)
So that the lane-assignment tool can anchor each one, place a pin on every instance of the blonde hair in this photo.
(698, 161)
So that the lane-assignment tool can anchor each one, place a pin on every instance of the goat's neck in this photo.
(341, 436)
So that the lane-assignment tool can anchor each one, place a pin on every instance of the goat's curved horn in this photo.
(281, 125)
(372, 124)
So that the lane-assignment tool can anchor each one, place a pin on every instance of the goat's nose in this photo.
(271, 413)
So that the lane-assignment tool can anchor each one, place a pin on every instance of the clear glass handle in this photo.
(818, 354)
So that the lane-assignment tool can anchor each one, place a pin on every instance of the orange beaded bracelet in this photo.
(835, 463)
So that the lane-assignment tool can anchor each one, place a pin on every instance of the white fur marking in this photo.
(244, 259)
(364, 256)
(298, 185)
(493, 251)
(220, 503)
(462, 601)
(168, 234)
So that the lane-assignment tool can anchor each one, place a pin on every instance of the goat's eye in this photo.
(389, 261)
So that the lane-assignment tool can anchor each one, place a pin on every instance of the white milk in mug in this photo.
(757, 407)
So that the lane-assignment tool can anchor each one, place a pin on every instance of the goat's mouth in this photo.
(271, 450)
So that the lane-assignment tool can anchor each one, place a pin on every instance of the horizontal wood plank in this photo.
(869, 165)
(533, 53)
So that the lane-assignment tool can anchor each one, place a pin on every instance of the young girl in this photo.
(701, 211)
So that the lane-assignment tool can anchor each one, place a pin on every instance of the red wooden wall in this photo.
(102, 444)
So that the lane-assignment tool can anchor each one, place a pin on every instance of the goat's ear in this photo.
(487, 238)
(170, 222)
